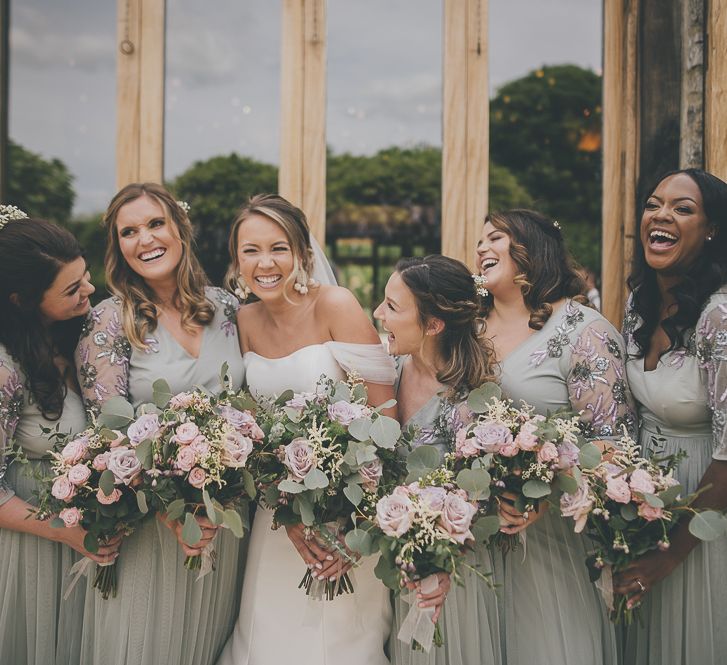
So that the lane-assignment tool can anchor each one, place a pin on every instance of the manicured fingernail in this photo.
(332, 578)
(329, 558)
(319, 565)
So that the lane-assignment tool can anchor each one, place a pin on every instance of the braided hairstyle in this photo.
(546, 271)
(444, 289)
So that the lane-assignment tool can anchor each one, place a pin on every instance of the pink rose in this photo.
(345, 412)
(300, 400)
(181, 401)
(457, 514)
(200, 446)
(465, 446)
(124, 464)
(144, 427)
(236, 448)
(548, 452)
(509, 450)
(197, 478)
(70, 516)
(394, 514)
(577, 505)
(526, 438)
(491, 436)
(186, 459)
(299, 458)
(75, 450)
(641, 482)
(63, 489)
(79, 474)
(108, 499)
(118, 440)
(186, 433)
(650, 513)
(242, 421)
(371, 474)
(99, 462)
(568, 455)
(432, 497)
(618, 489)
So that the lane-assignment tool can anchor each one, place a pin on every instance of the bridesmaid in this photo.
(676, 329)
(431, 312)
(44, 291)
(554, 353)
(163, 321)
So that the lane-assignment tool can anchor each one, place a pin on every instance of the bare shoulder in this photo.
(338, 309)
(334, 299)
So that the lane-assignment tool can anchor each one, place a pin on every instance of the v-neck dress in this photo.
(37, 627)
(161, 614)
(469, 620)
(554, 615)
(682, 405)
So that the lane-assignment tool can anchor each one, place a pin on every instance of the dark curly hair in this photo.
(699, 281)
(32, 252)
(444, 289)
(546, 271)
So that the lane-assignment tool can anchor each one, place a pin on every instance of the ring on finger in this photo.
(641, 586)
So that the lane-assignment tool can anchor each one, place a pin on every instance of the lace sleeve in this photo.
(712, 349)
(369, 361)
(11, 404)
(596, 381)
(102, 356)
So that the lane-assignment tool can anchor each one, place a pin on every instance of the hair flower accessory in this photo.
(480, 281)
(556, 224)
(9, 214)
(184, 206)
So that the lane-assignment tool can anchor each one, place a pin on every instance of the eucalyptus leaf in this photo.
(244, 402)
(388, 404)
(536, 489)
(479, 398)
(388, 574)
(485, 527)
(708, 525)
(315, 479)
(141, 502)
(233, 521)
(342, 393)
(359, 393)
(293, 414)
(629, 512)
(143, 453)
(106, 482)
(249, 483)
(567, 483)
(305, 508)
(670, 494)
(90, 542)
(57, 523)
(162, 393)
(385, 432)
(360, 541)
(589, 456)
(209, 507)
(422, 461)
(365, 454)
(474, 480)
(360, 428)
(116, 412)
(353, 493)
(653, 500)
(285, 396)
(191, 533)
(290, 486)
(175, 509)
(224, 379)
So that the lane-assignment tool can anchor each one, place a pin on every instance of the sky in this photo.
(222, 87)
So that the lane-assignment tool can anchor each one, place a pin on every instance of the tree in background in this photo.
(546, 128)
(42, 188)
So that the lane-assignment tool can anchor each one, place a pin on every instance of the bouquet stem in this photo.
(325, 589)
(438, 639)
(105, 580)
(193, 562)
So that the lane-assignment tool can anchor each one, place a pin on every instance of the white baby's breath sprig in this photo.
(184, 206)
(10, 213)
(480, 282)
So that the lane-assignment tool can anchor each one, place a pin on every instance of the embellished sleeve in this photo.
(103, 355)
(11, 404)
(369, 361)
(596, 380)
(712, 353)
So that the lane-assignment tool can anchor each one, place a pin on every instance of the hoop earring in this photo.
(243, 290)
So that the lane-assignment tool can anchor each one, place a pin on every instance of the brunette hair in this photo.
(546, 271)
(445, 289)
(32, 252)
(290, 219)
(139, 312)
(700, 280)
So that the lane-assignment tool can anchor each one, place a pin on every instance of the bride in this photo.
(298, 330)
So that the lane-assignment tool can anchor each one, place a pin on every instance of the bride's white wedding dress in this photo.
(278, 623)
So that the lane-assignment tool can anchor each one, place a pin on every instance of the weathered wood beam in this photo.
(716, 89)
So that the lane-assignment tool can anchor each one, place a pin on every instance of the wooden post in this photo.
(302, 174)
(620, 151)
(465, 131)
(716, 89)
(140, 91)
(4, 99)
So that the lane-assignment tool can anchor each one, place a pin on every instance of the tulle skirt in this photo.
(37, 627)
(469, 623)
(163, 615)
(685, 615)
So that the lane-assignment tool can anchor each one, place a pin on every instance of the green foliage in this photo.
(42, 188)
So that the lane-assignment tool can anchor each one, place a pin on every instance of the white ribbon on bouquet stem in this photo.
(605, 585)
(79, 570)
(418, 624)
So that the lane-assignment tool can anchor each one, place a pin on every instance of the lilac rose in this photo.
(75, 450)
(394, 514)
(641, 482)
(371, 473)
(63, 489)
(577, 505)
(144, 427)
(618, 489)
(456, 517)
(79, 474)
(236, 448)
(299, 458)
(491, 436)
(346, 412)
(186, 433)
(124, 464)
(432, 497)
(567, 455)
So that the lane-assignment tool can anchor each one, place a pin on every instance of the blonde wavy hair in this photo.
(546, 271)
(139, 302)
(290, 219)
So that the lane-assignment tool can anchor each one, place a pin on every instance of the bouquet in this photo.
(95, 483)
(530, 456)
(327, 455)
(627, 505)
(420, 529)
(193, 448)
